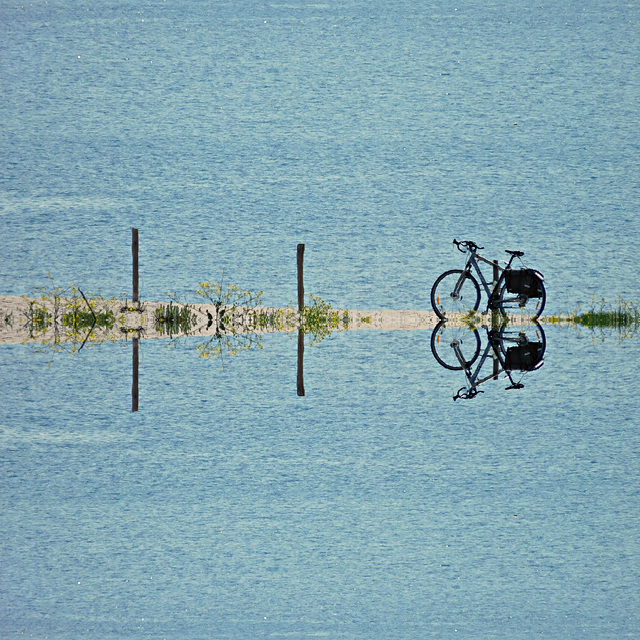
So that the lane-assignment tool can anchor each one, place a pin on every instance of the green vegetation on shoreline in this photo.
(602, 314)
(233, 320)
(603, 319)
(175, 319)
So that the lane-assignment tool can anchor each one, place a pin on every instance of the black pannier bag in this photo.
(524, 282)
(526, 357)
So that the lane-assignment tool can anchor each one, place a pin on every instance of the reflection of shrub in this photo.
(174, 319)
(229, 344)
(236, 325)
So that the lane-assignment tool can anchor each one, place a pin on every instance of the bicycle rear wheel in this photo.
(455, 291)
(446, 340)
(520, 304)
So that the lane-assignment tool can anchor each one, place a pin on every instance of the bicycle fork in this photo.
(455, 294)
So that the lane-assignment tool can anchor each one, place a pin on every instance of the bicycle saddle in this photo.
(517, 254)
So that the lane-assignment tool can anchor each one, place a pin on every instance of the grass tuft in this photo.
(175, 319)
(604, 318)
(621, 315)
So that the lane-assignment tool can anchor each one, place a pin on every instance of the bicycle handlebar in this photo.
(467, 245)
(467, 394)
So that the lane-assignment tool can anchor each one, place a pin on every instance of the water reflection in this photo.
(135, 393)
(65, 320)
(511, 350)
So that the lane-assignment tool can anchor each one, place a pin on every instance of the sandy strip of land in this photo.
(139, 320)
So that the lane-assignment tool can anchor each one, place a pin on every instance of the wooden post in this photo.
(134, 386)
(134, 251)
(300, 312)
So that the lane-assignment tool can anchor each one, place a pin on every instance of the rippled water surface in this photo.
(375, 506)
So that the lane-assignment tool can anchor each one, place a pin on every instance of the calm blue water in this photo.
(375, 133)
(375, 507)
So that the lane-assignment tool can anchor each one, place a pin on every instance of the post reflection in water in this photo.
(300, 267)
(134, 384)
(300, 376)
(514, 351)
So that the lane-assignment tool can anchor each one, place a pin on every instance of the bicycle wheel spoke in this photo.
(455, 292)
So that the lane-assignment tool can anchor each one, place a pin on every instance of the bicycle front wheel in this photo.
(455, 291)
(450, 345)
(520, 304)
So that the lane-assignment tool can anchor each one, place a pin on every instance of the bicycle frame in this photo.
(492, 290)
(510, 291)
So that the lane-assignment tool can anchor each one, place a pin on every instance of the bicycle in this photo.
(519, 291)
(520, 349)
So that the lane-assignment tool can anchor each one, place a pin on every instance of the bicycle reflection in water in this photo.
(513, 351)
